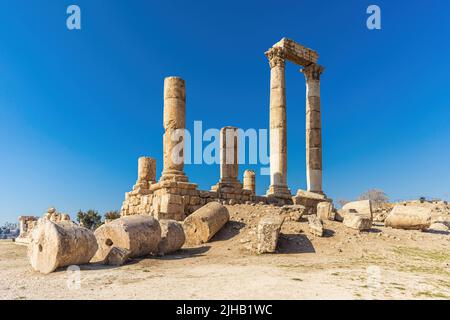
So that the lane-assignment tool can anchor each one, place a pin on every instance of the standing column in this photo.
(278, 138)
(146, 172)
(229, 166)
(249, 181)
(313, 128)
(174, 125)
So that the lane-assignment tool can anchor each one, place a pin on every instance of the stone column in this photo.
(249, 181)
(278, 138)
(313, 128)
(146, 172)
(174, 125)
(229, 167)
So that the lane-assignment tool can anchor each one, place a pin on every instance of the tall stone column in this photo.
(249, 181)
(313, 128)
(174, 125)
(278, 138)
(229, 166)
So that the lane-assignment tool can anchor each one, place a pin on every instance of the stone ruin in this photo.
(152, 211)
(174, 197)
(28, 223)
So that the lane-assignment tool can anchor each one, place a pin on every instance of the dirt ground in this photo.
(383, 263)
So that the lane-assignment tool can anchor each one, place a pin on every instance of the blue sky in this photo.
(77, 108)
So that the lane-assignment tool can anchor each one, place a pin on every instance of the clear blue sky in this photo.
(77, 108)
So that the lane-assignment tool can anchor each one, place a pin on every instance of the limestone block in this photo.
(438, 226)
(315, 225)
(409, 217)
(204, 223)
(357, 221)
(325, 210)
(267, 234)
(172, 236)
(139, 234)
(117, 256)
(361, 206)
(341, 213)
(54, 245)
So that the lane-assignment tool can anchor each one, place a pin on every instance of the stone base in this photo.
(281, 192)
(174, 176)
(309, 199)
(175, 200)
(229, 186)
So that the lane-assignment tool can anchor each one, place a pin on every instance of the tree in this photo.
(112, 215)
(90, 219)
(377, 196)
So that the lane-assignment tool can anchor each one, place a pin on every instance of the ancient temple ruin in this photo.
(174, 197)
(283, 50)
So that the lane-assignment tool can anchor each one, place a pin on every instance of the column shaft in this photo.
(313, 128)
(278, 126)
(174, 125)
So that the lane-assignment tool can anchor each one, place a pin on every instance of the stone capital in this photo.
(276, 57)
(313, 71)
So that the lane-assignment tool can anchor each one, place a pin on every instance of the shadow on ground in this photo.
(295, 243)
(230, 230)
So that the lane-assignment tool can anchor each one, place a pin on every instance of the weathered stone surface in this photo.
(278, 124)
(309, 200)
(229, 165)
(295, 211)
(172, 236)
(267, 234)
(249, 181)
(174, 125)
(361, 207)
(117, 256)
(409, 217)
(312, 74)
(341, 213)
(26, 226)
(325, 210)
(438, 226)
(357, 221)
(54, 245)
(204, 223)
(315, 225)
(138, 234)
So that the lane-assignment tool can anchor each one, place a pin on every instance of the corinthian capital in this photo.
(313, 71)
(276, 57)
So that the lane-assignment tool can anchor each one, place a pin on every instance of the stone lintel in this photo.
(297, 53)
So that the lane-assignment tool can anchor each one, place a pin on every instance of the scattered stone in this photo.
(315, 225)
(437, 226)
(267, 234)
(380, 217)
(325, 211)
(295, 212)
(204, 223)
(138, 234)
(362, 207)
(117, 256)
(54, 245)
(341, 213)
(357, 221)
(172, 236)
(409, 218)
